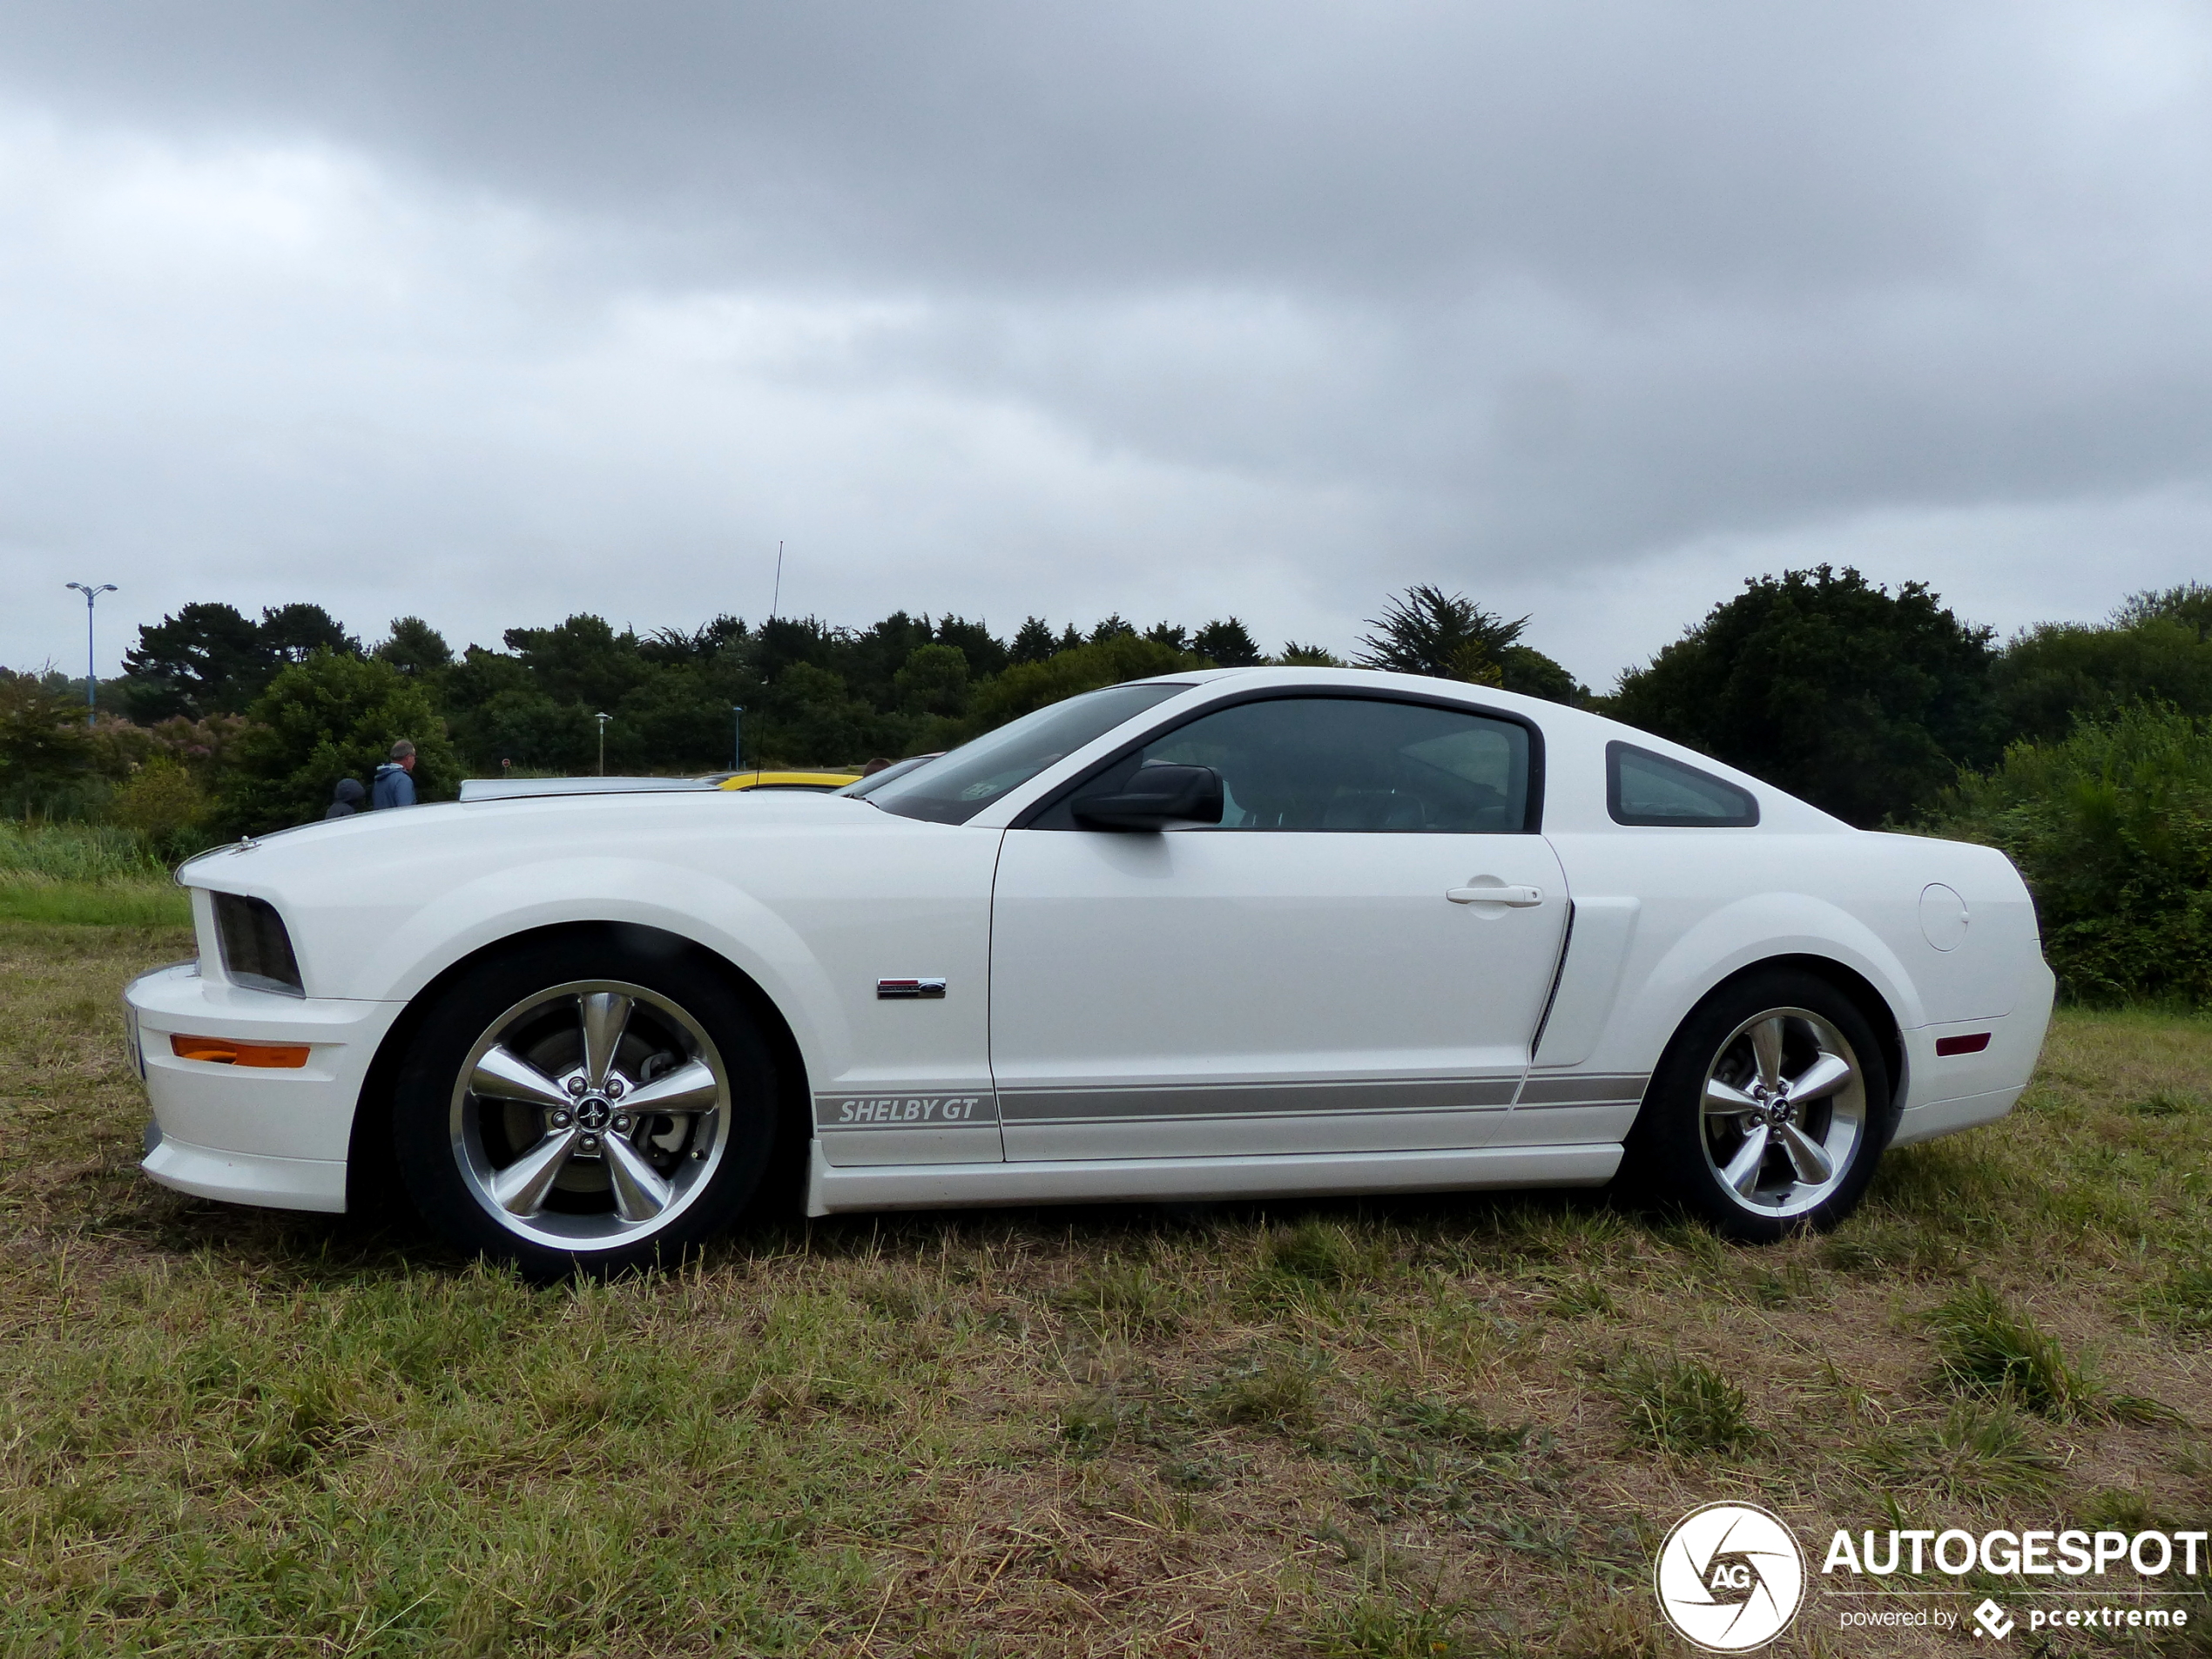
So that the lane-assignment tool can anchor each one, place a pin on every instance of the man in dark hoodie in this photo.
(346, 798)
(394, 787)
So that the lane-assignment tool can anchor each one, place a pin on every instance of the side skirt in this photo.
(834, 1191)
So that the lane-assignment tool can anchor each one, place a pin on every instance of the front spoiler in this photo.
(245, 1177)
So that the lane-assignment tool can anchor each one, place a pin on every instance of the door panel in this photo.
(1216, 992)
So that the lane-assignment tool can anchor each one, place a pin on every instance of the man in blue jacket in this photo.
(392, 787)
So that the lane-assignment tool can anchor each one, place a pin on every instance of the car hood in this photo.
(476, 789)
(377, 905)
(395, 842)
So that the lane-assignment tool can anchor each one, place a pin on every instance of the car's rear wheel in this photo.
(584, 1105)
(1770, 1109)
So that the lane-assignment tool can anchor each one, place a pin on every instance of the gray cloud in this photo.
(495, 312)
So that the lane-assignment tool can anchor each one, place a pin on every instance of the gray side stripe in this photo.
(1226, 1100)
(1248, 1100)
(1584, 1092)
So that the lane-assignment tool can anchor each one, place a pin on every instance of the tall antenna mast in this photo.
(778, 598)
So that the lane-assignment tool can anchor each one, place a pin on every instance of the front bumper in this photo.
(277, 1137)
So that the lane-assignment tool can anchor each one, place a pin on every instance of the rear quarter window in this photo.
(1651, 791)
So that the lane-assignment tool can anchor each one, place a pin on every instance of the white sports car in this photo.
(1234, 933)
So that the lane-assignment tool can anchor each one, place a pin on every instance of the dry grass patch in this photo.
(1434, 1427)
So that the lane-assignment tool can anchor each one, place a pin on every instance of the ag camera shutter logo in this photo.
(1729, 1577)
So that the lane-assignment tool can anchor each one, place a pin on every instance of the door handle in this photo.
(1518, 898)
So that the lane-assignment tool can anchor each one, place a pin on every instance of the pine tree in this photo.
(1230, 644)
(1032, 641)
(1425, 630)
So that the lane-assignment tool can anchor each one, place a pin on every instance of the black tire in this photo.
(506, 1169)
(1752, 1041)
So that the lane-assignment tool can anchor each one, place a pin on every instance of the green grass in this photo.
(2166, 1104)
(1279, 1392)
(2184, 1300)
(76, 852)
(1986, 1346)
(1582, 1297)
(85, 875)
(82, 904)
(1434, 1426)
(1980, 1451)
(1126, 1297)
(1376, 1627)
(1683, 1406)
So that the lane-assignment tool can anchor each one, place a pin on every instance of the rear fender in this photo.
(1672, 978)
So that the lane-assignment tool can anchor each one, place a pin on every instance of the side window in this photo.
(1357, 763)
(1649, 790)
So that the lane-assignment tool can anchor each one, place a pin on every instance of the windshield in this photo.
(953, 789)
(890, 774)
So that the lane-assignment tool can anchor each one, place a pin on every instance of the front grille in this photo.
(257, 952)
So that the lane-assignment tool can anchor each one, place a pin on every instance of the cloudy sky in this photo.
(495, 312)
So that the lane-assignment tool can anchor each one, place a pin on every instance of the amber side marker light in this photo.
(223, 1051)
(1974, 1044)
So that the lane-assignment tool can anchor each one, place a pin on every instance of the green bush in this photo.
(1861, 701)
(2047, 677)
(1086, 668)
(2112, 827)
(329, 717)
(162, 801)
(43, 750)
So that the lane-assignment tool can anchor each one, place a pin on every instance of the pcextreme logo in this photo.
(1729, 1577)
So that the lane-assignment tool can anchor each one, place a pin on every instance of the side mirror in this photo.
(1154, 799)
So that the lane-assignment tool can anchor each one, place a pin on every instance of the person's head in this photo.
(875, 765)
(403, 755)
(349, 791)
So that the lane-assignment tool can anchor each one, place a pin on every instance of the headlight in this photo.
(257, 952)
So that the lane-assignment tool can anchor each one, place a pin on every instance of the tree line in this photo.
(248, 724)
(2079, 747)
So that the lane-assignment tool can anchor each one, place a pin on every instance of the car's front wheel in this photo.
(584, 1105)
(1769, 1110)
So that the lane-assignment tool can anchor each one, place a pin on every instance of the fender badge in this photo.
(907, 990)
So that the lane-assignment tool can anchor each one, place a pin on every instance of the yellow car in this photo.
(821, 782)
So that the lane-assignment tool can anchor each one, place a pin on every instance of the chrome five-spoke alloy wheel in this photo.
(591, 1116)
(1782, 1110)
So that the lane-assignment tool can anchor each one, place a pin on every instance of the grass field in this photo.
(1403, 1430)
(76, 874)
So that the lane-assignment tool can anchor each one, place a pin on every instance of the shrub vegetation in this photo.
(2112, 827)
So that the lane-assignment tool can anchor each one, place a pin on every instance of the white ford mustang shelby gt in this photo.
(1230, 934)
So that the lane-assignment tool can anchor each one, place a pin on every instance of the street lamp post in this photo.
(737, 737)
(602, 744)
(91, 675)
